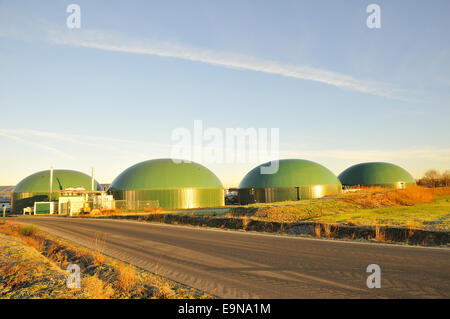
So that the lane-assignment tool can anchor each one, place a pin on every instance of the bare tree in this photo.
(432, 176)
(446, 177)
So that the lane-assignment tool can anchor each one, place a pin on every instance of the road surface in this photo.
(250, 265)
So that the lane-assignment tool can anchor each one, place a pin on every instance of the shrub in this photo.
(28, 230)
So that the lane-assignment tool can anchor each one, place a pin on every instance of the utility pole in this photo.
(51, 183)
(4, 212)
(92, 188)
(92, 182)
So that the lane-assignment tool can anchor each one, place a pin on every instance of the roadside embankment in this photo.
(316, 229)
(33, 264)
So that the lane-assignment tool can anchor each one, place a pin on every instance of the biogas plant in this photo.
(169, 184)
(68, 189)
(176, 184)
(294, 180)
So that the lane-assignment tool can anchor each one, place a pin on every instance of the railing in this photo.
(114, 205)
(137, 206)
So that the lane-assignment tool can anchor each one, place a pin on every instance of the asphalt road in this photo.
(249, 265)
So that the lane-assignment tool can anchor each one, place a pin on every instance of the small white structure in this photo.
(44, 208)
(105, 201)
(71, 205)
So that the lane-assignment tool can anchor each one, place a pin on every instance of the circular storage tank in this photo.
(168, 185)
(36, 187)
(295, 179)
(376, 174)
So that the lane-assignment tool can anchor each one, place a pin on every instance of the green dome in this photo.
(376, 174)
(171, 185)
(36, 187)
(165, 174)
(291, 173)
(40, 182)
(295, 180)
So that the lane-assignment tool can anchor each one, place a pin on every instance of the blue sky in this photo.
(109, 94)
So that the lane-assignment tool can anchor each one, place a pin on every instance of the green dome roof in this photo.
(40, 182)
(375, 173)
(165, 174)
(291, 173)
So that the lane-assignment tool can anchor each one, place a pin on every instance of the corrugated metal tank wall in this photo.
(278, 194)
(174, 198)
(172, 183)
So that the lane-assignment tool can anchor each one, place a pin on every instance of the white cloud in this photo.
(123, 152)
(114, 145)
(41, 146)
(77, 138)
(134, 146)
(24, 28)
(100, 40)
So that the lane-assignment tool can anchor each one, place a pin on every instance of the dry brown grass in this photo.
(28, 233)
(126, 278)
(317, 230)
(101, 277)
(117, 211)
(412, 226)
(441, 190)
(164, 292)
(16, 275)
(245, 222)
(26, 273)
(96, 248)
(397, 197)
(96, 288)
(95, 212)
(52, 249)
(98, 259)
(327, 230)
(379, 234)
(105, 212)
(37, 242)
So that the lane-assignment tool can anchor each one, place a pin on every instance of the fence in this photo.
(74, 208)
(137, 206)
